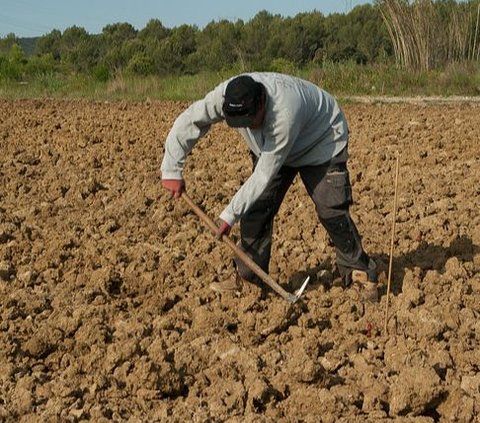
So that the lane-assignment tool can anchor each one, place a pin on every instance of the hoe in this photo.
(254, 267)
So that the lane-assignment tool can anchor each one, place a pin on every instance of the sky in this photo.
(32, 18)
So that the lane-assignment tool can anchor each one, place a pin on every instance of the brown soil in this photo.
(106, 313)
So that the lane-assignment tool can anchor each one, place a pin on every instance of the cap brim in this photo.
(240, 121)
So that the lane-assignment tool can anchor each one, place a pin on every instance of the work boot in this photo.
(232, 284)
(367, 290)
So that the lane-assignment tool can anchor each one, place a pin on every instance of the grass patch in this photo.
(349, 79)
(344, 79)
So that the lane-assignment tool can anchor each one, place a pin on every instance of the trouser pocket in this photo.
(333, 194)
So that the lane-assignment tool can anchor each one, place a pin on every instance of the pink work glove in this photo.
(223, 229)
(174, 186)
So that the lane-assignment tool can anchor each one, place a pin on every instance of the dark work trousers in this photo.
(328, 185)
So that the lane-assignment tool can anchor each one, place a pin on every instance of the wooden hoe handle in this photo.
(254, 267)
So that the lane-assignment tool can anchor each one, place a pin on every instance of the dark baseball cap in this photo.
(242, 98)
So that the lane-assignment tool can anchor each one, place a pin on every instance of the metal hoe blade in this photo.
(293, 298)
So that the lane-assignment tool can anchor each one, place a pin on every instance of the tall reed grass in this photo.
(425, 37)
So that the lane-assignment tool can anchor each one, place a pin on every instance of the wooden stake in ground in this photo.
(394, 219)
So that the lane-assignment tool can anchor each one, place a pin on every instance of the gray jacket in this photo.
(303, 126)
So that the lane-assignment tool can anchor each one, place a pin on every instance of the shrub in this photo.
(101, 73)
(141, 64)
(283, 66)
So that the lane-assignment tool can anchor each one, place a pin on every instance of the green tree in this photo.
(116, 34)
(219, 45)
(78, 49)
(39, 65)
(8, 42)
(150, 39)
(359, 36)
(257, 33)
(13, 64)
(298, 39)
(174, 53)
(153, 31)
(116, 51)
(50, 44)
(369, 34)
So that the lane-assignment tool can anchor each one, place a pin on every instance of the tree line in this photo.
(368, 34)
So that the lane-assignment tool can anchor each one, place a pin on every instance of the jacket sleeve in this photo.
(187, 129)
(280, 136)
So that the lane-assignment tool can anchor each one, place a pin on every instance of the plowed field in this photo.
(105, 308)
